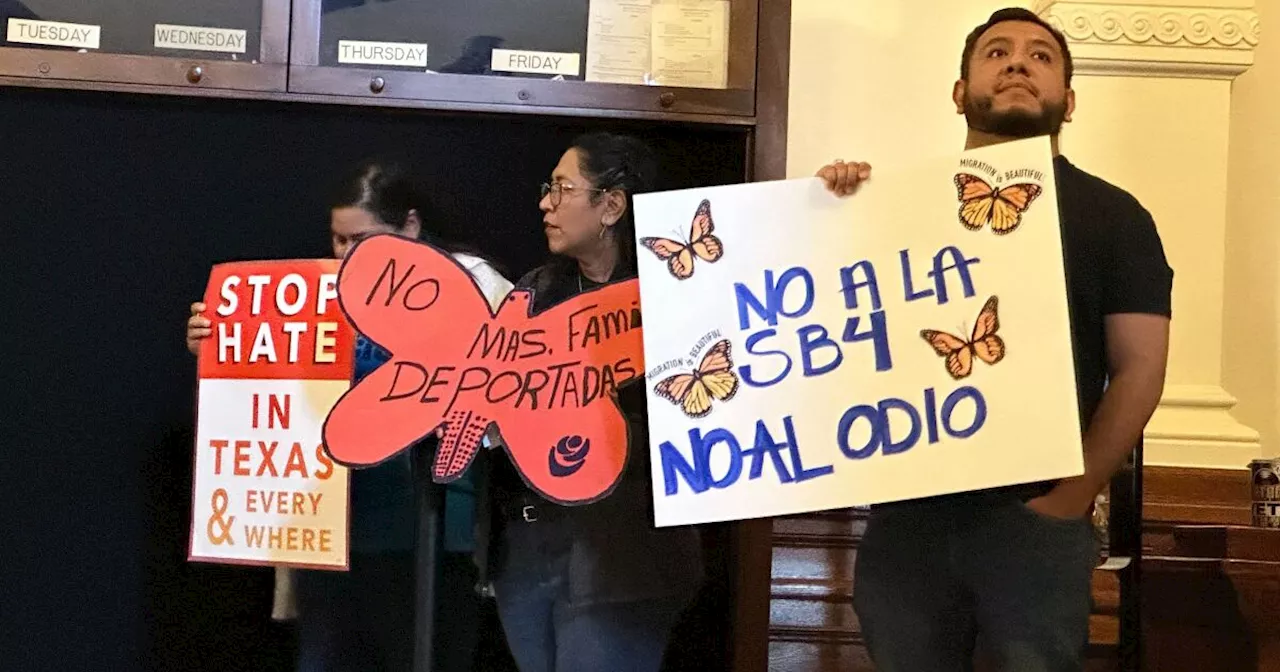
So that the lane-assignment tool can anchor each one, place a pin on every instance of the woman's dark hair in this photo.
(390, 192)
(387, 191)
(620, 162)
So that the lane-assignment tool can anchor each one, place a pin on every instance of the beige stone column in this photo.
(1154, 90)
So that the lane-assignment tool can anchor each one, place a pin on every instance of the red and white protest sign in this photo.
(265, 491)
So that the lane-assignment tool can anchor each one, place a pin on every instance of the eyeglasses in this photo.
(558, 190)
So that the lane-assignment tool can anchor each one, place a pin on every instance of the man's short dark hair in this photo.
(1013, 14)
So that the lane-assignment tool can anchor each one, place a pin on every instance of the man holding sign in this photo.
(1014, 564)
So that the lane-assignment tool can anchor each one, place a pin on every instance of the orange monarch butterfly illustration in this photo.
(984, 343)
(980, 204)
(680, 256)
(714, 378)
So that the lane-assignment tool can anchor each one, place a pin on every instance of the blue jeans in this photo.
(547, 631)
(934, 577)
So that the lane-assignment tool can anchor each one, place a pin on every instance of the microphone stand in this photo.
(429, 499)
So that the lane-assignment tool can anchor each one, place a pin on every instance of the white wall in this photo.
(871, 80)
(1251, 359)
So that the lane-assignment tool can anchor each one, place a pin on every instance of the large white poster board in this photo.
(807, 352)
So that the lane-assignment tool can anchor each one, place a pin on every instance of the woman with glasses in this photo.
(598, 586)
(362, 620)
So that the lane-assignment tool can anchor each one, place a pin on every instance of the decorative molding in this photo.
(803, 635)
(1212, 27)
(1118, 67)
(816, 540)
(1193, 427)
(1156, 40)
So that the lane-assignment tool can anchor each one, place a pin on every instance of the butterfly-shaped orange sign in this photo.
(984, 343)
(980, 204)
(546, 380)
(702, 245)
(713, 379)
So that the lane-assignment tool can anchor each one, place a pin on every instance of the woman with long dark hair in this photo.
(598, 586)
(362, 619)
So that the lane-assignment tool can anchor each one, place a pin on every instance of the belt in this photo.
(529, 510)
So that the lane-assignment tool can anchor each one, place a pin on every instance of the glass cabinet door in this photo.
(460, 37)
(693, 56)
(224, 44)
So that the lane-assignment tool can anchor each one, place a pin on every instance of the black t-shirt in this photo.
(1115, 263)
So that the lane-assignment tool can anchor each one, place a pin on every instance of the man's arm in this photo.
(1137, 352)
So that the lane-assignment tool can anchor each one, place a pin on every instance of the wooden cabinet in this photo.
(691, 62)
(553, 57)
(228, 45)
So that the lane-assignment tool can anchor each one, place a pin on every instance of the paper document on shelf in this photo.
(690, 43)
(618, 41)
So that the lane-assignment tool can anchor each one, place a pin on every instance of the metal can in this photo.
(1264, 478)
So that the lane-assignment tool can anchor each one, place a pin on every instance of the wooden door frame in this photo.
(767, 160)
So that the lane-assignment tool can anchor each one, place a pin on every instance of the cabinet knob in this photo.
(195, 74)
(377, 84)
(667, 99)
